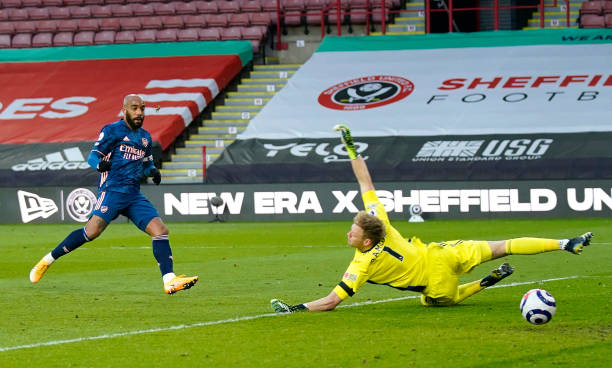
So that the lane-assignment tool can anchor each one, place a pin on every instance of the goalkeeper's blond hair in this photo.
(373, 227)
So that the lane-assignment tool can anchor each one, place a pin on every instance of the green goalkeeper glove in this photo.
(281, 307)
(347, 139)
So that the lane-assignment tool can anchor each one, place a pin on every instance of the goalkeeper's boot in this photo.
(575, 245)
(38, 271)
(347, 139)
(179, 283)
(497, 275)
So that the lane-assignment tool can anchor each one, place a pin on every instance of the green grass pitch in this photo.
(103, 305)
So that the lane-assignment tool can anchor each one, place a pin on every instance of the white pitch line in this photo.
(238, 319)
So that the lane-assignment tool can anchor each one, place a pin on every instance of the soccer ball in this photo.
(538, 306)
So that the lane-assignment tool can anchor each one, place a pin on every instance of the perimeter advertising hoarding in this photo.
(325, 201)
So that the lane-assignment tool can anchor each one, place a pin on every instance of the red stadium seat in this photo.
(185, 8)
(18, 14)
(294, 5)
(52, 2)
(151, 22)
(80, 12)
(206, 7)
(91, 24)
(105, 38)
(270, 5)
(143, 9)
(173, 21)
(121, 10)
(163, 9)
(110, 24)
(125, 37)
(188, 34)
(251, 33)
(130, 24)
(591, 7)
(114, 1)
(11, 3)
(231, 33)
(5, 41)
(7, 28)
(377, 4)
(27, 26)
(46, 26)
(209, 34)
(592, 21)
(68, 25)
(73, 2)
(238, 20)
(22, 40)
(195, 21)
(85, 38)
(101, 11)
(4, 14)
(607, 9)
(260, 19)
(228, 6)
(293, 18)
(167, 35)
(42, 40)
(137, 1)
(216, 20)
(250, 5)
(93, 2)
(608, 20)
(146, 35)
(62, 39)
(316, 4)
(38, 13)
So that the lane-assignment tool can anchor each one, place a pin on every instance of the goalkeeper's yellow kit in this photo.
(409, 264)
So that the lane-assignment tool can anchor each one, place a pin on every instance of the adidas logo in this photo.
(72, 159)
(126, 139)
(33, 206)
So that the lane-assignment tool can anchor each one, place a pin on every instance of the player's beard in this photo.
(134, 125)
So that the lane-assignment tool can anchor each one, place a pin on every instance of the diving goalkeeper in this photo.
(384, 256)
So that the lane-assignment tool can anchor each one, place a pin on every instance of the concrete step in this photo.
(272, 74)
(226, 123)
(549, 27)
(238, 108)
(175, 157)
(264, 81)
(550, 22)
(410, 20)
(180, 180)
(406, 28)
(218, 143)
(260, 87)
(276, 67)
(258, 101)
(251, 94)
(398, 33)
(220, 131)
(233, 115)
(176, 165)
(181, 172)
(198, 150)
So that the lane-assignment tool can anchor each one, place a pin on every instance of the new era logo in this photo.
(33, 206)
(449, 149)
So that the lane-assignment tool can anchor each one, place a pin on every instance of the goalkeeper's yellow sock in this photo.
(532, 245)
(467, 290)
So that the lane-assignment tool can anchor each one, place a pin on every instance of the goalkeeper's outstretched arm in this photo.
(324, 304)
(360, 169)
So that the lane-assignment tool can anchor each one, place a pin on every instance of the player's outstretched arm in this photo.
(360, 169)
(324, 304)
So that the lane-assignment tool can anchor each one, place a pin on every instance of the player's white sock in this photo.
(49, 258)
(167, 277)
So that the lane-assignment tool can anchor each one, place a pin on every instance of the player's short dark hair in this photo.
(373, 227)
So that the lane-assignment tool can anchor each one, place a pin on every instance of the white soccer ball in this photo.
(538, 306)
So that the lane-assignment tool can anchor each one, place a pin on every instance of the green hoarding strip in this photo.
(569, 36)
(137, 50)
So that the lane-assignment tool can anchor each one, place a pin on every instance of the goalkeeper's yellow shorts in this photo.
(446, 261)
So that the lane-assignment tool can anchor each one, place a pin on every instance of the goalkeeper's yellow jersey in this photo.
(397, 262)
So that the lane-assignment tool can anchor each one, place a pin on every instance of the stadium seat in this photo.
(11, 3)
(316, 4)
(124, 37)
(216, 20)
(592, 21)
(231, 33)
(270, 5)
(251, 33)
(120, 10)
(104, 38)
(22, 40)
(591, 7)
(130, 24)
(18, 14)
(4, 14)
(228, 6)
(5, 41)
(260, 19)
(31, 3)
(608, 20)
(46, 26)
(206, 7)
(377, 4)
(91, 24)
(114, 1)
(293, 18)
(377, 16)
(315, 17)
(238, 20)
(93, 2)
(62, 39)
(141, 10)
(294, 5)
(151, 22)
(167, 35)
(173, 21)
(209, 34)
(188, 34)
(38, 14)
(101, 11)
(145, 35)
(27, 26)
(85, 38)
(52, 2)
(110, 24)
(250, 5)
(73, 2)
(163, 9)
(607, 9)
(42, 40)
(138, 1)
(195, 21)
(68, 25)
(7, 28)
(80, 12)
(185, 8)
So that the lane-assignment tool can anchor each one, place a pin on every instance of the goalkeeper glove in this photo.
(156, 175)
(281, 307)
(103, 166)
(347, 139)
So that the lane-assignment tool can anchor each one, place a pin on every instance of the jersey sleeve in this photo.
(354, 277)
(105, 143)
(374, 207)
(147, 161)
